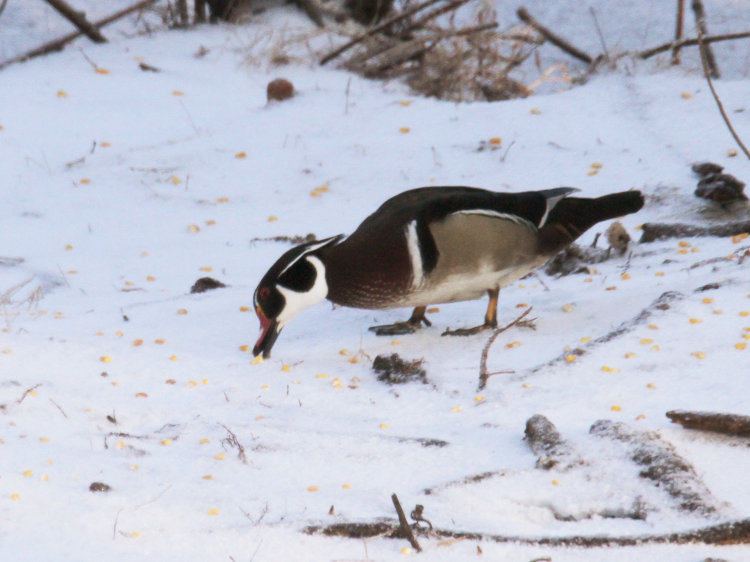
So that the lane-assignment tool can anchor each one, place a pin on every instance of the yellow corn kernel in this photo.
(616, 408)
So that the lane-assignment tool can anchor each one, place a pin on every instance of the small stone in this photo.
(279, 89)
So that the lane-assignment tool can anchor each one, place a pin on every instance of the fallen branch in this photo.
(662, 465)
(731, 533)
(660, 303)
(373, 30)
(664, 231)
(709, 70)
(727, 424)
(707, 55)
(484, 374)
(58, 44)
(404, 524)
(678, 31)
(545, 441)
(472, 479)
(690, 42)
(78, 19)
(556, 40)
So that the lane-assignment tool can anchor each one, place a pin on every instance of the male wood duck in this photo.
(427, 246)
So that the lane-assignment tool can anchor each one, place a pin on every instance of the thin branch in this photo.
(706, 52)
(556, 40)
(706, 57)
(484, 375)
(27, 392)
(678, 31)
(59, 408)
(373, 30)
(690, 42)
(404, 524)
(58, 44)
(78, 19)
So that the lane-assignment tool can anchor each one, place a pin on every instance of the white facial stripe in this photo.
(412, 245)
(311, 248)
(296, 302)
(495, 214)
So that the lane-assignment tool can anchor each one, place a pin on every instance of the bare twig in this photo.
(484, 375)
(599, 32)
(27, 392)
(232, 441)
(708, 71)
(404, 524)
(690, 42)
(373, 30)
(78, 19)
(2, 5)
(707, 55)
(58, 44)
(678, 31)
(556, 40)
(419, 24)
(59, 408)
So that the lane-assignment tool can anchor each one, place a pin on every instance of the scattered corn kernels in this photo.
(616, 408)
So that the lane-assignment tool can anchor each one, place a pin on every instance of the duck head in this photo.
(296, 281)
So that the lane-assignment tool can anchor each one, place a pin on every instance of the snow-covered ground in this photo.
(120, 188)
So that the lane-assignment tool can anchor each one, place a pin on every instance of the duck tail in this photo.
(572, 216)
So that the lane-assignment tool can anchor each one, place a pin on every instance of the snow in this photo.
(119, 190)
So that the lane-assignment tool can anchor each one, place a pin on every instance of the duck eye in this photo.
(264, 293)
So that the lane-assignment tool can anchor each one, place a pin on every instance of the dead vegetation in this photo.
(395, 370)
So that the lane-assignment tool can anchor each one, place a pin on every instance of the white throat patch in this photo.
(296, 302)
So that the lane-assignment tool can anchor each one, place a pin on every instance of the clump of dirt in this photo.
(395, 370)
(206, 284)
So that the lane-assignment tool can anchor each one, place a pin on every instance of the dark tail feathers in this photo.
(573, 216)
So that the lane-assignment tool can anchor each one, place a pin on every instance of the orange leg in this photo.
(490, 318)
